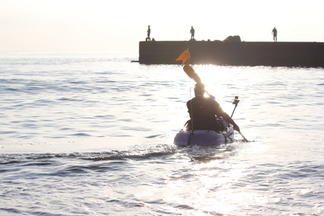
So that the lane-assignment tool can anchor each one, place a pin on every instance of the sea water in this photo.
(90, 133)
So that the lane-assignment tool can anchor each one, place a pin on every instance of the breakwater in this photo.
(290, 54)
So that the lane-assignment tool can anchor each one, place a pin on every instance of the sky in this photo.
(119, 25)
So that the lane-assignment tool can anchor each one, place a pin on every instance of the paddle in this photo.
(243, 136)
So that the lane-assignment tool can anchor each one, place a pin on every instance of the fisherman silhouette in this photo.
(203, 112)
(274, 32)
(192, 32)
(148, 33)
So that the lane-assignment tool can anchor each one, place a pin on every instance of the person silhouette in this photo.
(203, 111)
(274, 32)
(148, 33)
(192, 32)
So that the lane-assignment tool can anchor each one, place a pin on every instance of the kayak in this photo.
(187, 137)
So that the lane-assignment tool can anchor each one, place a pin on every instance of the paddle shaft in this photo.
(243, 137)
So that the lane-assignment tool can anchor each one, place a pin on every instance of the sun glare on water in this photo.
(214, 78)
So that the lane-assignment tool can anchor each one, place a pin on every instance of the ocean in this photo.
(91, 133)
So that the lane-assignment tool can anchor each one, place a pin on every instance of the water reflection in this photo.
(205, 154)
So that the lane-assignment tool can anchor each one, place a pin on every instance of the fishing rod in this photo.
(236, 101)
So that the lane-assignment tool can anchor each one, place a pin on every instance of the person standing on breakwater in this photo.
(148, 33)
(274, 32)
(192, 32)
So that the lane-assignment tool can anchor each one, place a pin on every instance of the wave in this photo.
(133, 153)
(137, 152)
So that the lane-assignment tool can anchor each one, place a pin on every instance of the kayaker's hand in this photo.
(237, 128)
(212, 97)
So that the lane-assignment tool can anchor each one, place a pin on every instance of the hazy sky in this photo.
(121, 24)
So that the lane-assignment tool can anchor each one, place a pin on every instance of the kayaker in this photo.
(204, 110)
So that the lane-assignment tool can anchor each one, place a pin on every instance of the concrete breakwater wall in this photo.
(290, 54)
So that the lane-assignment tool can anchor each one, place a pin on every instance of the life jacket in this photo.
(203, 113)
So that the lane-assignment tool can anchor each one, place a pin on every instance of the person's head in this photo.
(199, 89)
